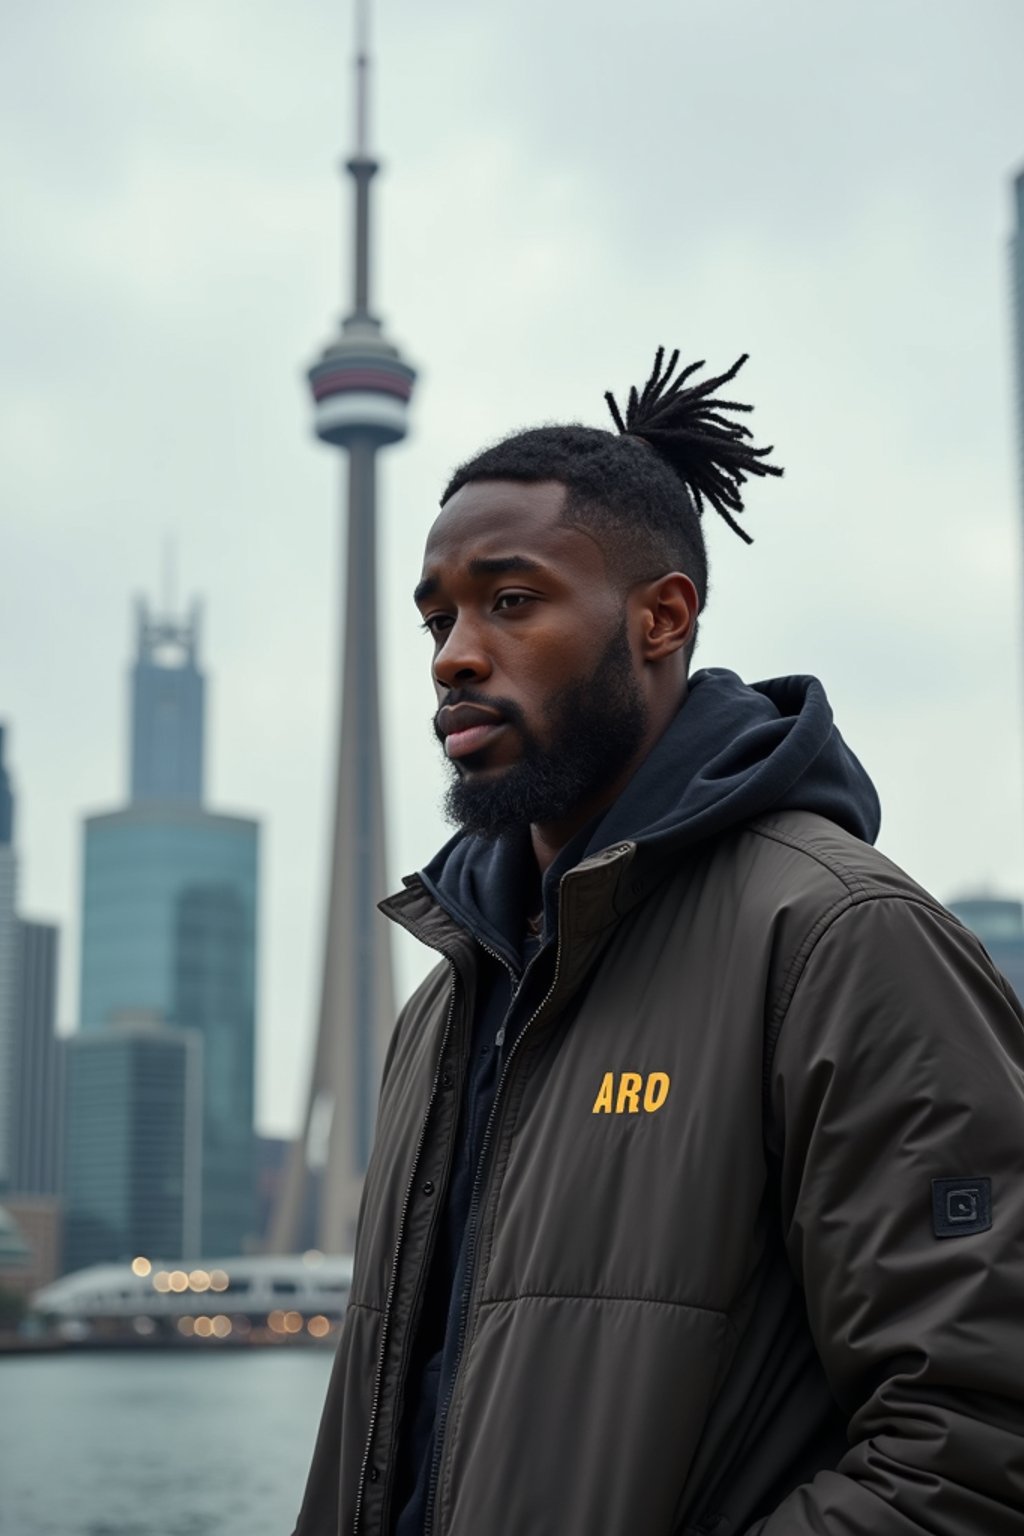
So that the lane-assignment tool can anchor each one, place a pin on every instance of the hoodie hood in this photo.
(733, 752)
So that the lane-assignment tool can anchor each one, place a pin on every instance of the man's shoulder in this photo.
(796, 874)
(800, 852)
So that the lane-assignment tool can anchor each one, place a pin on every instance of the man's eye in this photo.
(506, 600)
(437, 624)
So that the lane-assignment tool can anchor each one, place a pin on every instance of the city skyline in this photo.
(535, 262)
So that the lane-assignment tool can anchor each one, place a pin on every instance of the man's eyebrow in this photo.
(490, 565)
(499, 565)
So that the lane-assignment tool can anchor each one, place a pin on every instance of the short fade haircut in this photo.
(615, 485)
(643, 488)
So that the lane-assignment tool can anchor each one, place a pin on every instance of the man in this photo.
(696, 1203)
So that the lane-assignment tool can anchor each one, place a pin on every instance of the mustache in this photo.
(510, 712)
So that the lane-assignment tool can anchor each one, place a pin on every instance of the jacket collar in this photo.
(591, 897)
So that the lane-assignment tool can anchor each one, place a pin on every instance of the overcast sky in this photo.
(567, 185)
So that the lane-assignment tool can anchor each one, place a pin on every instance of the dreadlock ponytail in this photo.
(710, 454)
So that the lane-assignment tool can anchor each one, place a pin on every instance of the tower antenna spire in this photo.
(362, 78)
(362, 168)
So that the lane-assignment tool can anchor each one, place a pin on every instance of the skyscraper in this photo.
(30, 1116)
(134, 1143)
(361, 387)
(169, 909)
(8, 971)
(38, 1119)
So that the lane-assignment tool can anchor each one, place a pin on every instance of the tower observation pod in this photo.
(361, 388)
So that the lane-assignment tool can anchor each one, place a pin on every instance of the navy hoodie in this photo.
(732, 753)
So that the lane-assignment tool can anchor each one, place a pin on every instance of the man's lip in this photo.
(456, 718)
(460, 743)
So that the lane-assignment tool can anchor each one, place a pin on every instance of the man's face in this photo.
(540, 706)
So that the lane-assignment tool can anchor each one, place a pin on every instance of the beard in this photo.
(595, 726)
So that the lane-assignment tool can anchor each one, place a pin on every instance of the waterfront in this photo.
(153, 1443)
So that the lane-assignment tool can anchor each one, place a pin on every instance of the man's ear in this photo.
(668, 615)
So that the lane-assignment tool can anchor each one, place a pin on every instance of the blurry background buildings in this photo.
(37, 1119)
(999, 923)
(134, 1142)
(31, 1074)
(160, 1080)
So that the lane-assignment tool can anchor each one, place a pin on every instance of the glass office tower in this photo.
(37, 1063)
(169, 928)
(134, 1143)
(169, 915)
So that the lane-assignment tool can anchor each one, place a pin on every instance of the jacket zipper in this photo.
(511, 976)
(378, 1380)
(471, 1236)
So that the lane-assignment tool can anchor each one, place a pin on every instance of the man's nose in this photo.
(462, 658)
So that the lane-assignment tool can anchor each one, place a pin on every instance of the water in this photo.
(154, 1444)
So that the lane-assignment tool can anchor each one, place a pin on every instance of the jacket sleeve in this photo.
(900, 1062)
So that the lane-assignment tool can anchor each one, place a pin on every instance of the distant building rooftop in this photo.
(995, 919)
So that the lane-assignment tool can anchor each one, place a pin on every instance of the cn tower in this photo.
(361, 389)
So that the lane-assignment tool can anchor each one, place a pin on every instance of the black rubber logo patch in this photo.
(961, 1206)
